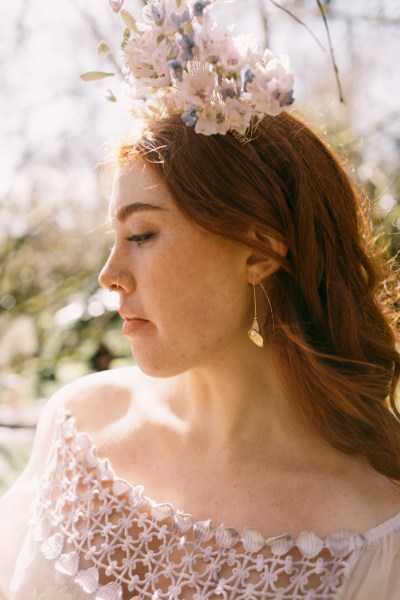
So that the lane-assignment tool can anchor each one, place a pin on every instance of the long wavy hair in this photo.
(333, 333)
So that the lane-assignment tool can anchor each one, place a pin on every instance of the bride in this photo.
(254, 452)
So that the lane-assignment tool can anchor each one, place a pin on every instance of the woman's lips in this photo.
(133, 325)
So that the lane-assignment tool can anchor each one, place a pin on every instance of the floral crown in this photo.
(179, 60)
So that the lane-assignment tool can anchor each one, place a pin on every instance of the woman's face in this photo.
(184, 292)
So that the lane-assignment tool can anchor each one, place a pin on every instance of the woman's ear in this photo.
(259, 267)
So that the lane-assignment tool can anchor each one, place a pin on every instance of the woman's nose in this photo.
(115, 275)
(110, 278)
(105, 278)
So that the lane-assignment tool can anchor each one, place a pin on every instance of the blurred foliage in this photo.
(45, 270)
(379, 182)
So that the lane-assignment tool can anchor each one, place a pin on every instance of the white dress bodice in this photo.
(94, 536)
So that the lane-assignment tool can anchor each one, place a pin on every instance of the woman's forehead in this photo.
(136, 183)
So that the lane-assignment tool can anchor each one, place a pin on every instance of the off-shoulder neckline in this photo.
(338, 541)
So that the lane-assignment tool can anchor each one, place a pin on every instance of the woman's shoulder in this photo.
(374, 571)
(97, 398)
(100, 399)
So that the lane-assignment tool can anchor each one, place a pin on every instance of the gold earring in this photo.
(270, 305)
(254, 332)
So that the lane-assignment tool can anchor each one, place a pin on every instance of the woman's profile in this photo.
(254, 452)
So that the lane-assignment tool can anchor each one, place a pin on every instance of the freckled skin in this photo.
(191, 285)
(222, 420)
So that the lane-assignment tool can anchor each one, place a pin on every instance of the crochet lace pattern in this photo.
(117, 544)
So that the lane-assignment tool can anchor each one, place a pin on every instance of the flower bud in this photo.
(110, 96)
(93, 75)
(172, 51)
(129, 20)
(104, 48)
(116, 5)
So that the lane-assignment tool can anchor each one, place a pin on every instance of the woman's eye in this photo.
(140, 239)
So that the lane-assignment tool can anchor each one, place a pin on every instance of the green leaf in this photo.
(93, 75)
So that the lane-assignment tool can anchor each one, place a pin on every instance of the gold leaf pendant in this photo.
(255, 335)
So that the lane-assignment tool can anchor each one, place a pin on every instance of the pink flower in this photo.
(178, 59)
(212, 120)
(197, 88)
(148, 59)
(271, 86)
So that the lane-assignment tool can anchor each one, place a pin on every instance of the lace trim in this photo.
(117, 543)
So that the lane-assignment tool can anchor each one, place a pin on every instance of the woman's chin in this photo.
(156, 366)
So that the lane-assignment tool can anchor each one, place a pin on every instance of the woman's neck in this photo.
(228, 407)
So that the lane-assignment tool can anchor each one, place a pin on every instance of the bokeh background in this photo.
(55, 321)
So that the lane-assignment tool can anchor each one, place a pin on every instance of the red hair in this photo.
(334, 334)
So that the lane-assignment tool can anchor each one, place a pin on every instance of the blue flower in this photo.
(177, 68)
(199, 6)
(187, 45)
(248, 78)
(116, 5)
(228, 93)
(287, 98)
(190, 117)
(158, 15)
(179, 20)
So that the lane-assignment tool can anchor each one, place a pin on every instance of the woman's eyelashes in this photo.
(141, 238)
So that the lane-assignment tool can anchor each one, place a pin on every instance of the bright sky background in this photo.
(53, 126)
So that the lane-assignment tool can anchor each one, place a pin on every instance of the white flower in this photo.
(179, 60)
(212, 120)
(196, 88)
(231, 58)
(237, 114)
(214, 42)
(148, 59)
(270, 86)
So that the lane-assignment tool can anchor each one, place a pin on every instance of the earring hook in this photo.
(270, 305)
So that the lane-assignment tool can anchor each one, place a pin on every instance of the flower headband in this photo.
(179, 60)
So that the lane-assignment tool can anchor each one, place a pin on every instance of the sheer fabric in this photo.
(92, 536)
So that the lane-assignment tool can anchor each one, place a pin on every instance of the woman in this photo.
(223, 468)
(295, 436)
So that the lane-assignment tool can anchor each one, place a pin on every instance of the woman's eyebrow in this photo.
(125, 211)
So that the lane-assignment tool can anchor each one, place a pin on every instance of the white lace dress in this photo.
(92, 536)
